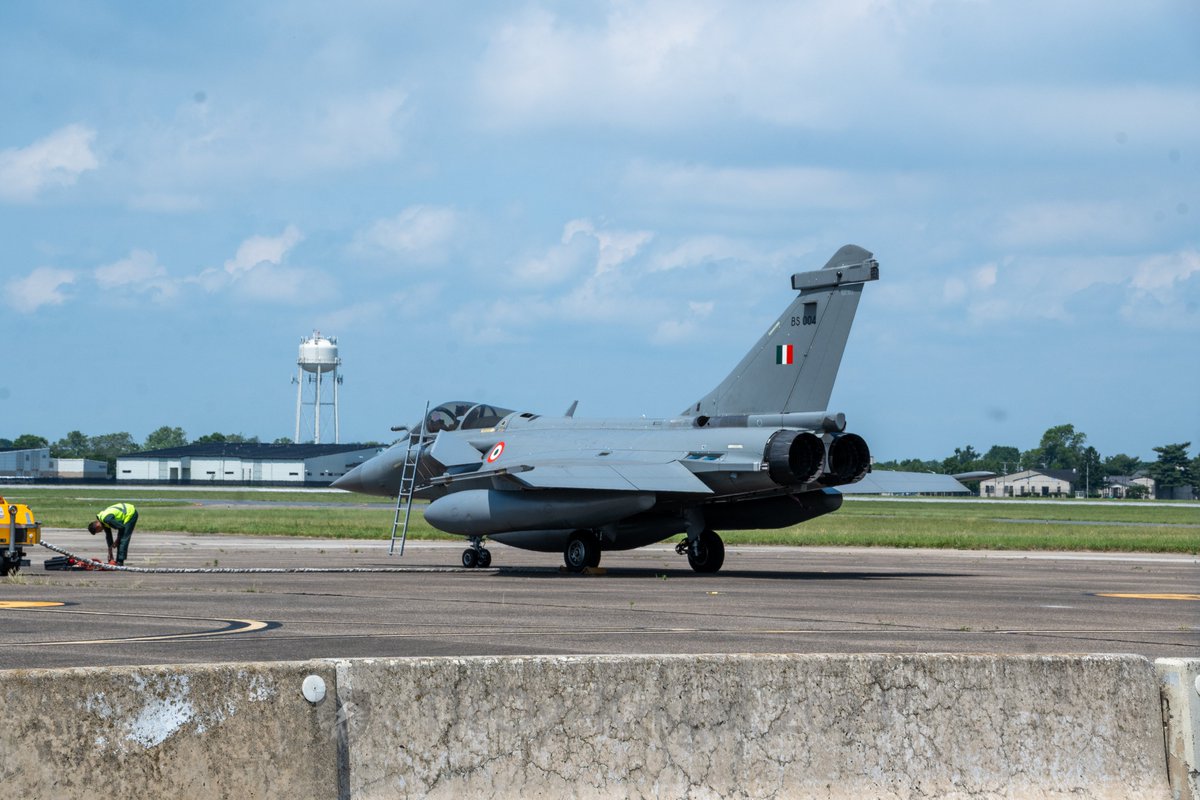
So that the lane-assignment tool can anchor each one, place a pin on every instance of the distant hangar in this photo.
(244, 463)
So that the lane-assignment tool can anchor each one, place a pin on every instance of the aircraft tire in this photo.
(485, 558)
(470, 559)
(582, 551)
(708, 554)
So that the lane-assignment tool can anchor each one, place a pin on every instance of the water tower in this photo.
(318, 359)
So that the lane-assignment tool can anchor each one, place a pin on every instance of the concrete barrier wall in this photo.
(606, 726)
(224, 731)
(755, 726)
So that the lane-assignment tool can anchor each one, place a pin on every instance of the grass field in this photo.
(959, 524)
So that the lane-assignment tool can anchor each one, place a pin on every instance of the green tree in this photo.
(228, 438)
(965, 459)
(5, 443)
(283, 440)
(1091, 471)
(74, 445)
(165, 437)
(1001, 459)
(1061, 448)
(108, 446)
(1121, 464)
(910, 465)
(29, 441)
(1173, 468)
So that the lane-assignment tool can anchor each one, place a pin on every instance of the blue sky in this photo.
(533, 203)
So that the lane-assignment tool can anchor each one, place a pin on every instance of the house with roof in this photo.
(1031, 483)
(1119, 486)
(244, 463)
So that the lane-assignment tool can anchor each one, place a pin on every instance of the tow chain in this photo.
(100, 565)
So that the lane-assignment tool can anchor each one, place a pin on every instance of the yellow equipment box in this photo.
(17, 529)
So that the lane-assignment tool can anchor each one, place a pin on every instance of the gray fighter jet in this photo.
(762, 450)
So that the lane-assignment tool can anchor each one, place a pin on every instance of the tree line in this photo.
(1063, 447)
(108, 447)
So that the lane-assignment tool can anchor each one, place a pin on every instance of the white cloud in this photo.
(572, 258)
(985, 276)
(42, 287)
(263, 250)
(627, 280)
(1166, 292)
(257, 272)
(956, 289)
(56, 160)
(615, 247)
(419, 233)
(683, 328)
(584, 250)
(139, 271)
(281, 284)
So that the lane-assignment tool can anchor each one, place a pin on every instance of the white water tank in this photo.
(318, 354)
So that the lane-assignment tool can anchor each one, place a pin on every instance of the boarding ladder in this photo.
(408, 484)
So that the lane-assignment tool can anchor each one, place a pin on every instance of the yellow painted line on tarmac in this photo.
(1168, 596)
(243, 626)
(232, 627)
(29, 604)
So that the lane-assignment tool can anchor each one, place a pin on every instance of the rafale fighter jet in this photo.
(761, 450)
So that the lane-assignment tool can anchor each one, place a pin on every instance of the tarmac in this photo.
(765, 600)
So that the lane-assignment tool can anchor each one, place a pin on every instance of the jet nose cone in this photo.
(351, 481)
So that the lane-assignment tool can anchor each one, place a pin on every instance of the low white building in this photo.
(25, 464)
(86, 469)
(1030, 483)
(244, 463)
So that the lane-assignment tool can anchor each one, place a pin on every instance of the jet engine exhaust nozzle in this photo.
(794, 457)
(849, 459)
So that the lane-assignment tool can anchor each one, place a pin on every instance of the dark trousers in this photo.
(123, 536)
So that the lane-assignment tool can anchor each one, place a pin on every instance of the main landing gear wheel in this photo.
(583, 551)
(707, 552)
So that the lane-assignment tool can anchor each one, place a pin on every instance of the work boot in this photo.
(120, 563)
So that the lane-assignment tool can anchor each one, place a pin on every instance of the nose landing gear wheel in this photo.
(583, 551)
(476, 555)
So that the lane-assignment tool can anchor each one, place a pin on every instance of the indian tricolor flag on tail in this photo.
(784, 354)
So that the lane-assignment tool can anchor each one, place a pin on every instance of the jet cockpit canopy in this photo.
(463, 415)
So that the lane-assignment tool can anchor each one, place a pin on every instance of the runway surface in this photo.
(766, 599)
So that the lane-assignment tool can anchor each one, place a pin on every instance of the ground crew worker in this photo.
(121, 517)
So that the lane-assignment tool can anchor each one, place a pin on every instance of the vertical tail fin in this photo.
(794, 364)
